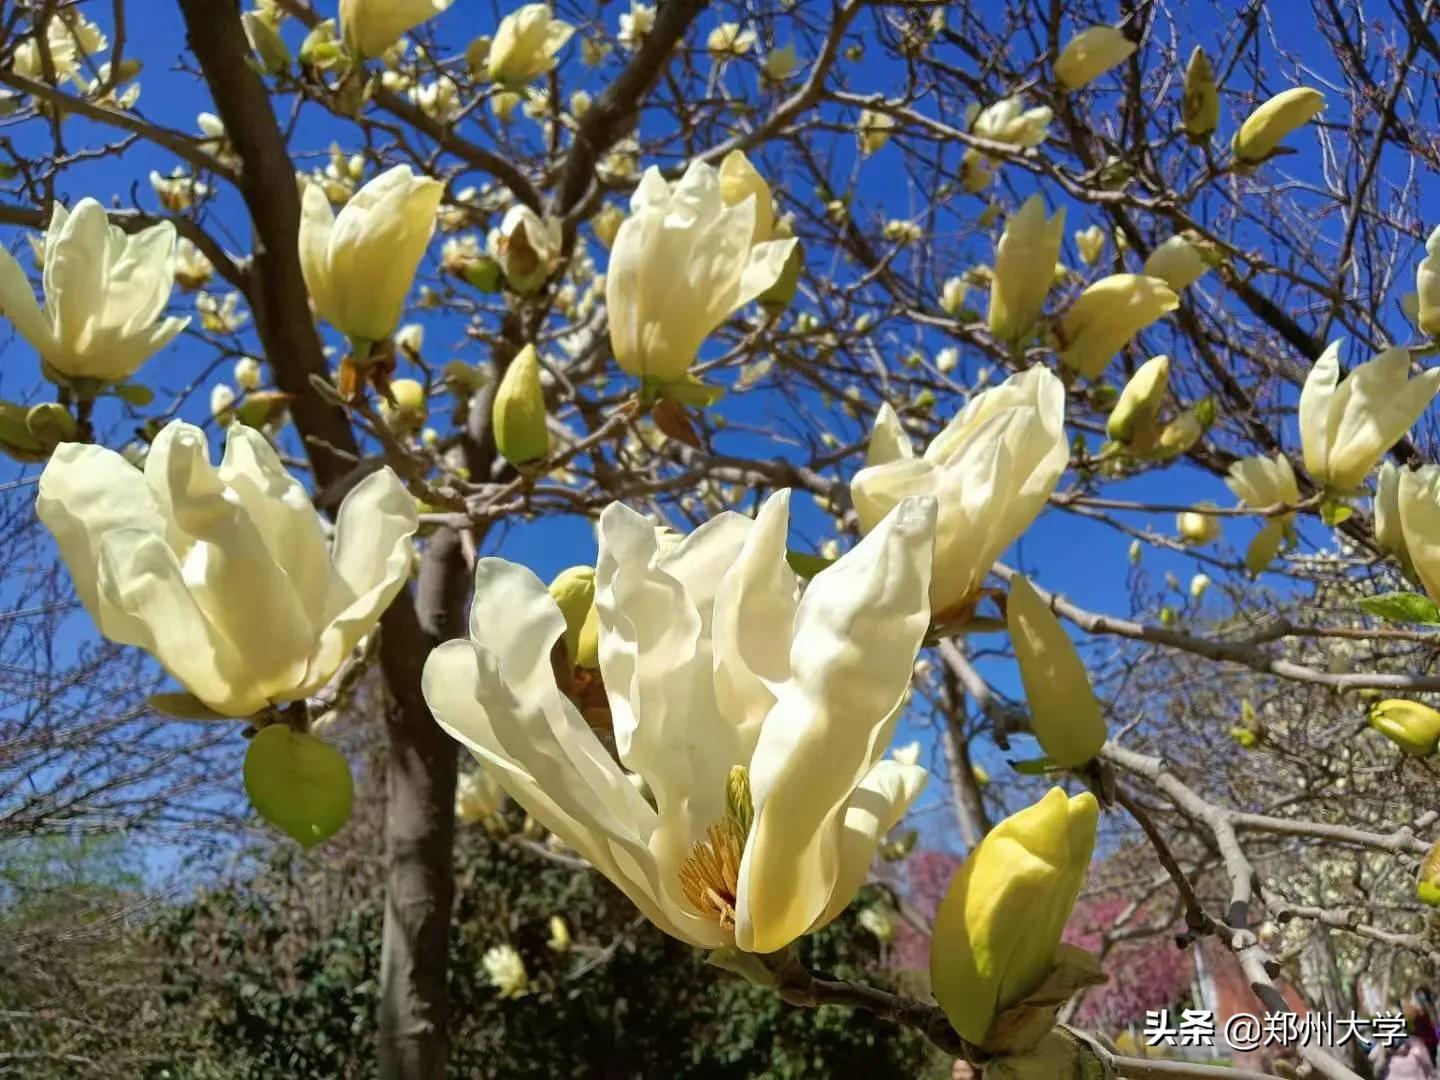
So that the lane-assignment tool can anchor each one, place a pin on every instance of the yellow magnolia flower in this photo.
(998, 929)
(992, 470)
(1135, 420)
(1197, 527)
(224, 575)
(506, 971)
(1389, 530)
(1024, 260)
(526, 247)
(1177, 262)
(526, 44)
(1064, 714)
(1107, 315)
(359, 265)
(874, 130)
(683, 263)
(740, 180)
(1413, 727)
(478, 799)
(1261, 482)
(105, 292)
(1347, 425)
(1267, 125)
(729, 42)
(1091, 53)
(370, 27)
(1427, 287)
(1418, 500)
(1091, 243)
(1005, 121)
(755, 715)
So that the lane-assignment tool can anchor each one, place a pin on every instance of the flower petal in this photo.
(857, 630)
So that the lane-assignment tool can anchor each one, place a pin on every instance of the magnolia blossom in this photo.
(1090, 243)
(1135, 420)
(992, 470)
(1427, 286)
(1389, 532)
(506, 971)
(635, 24)
(104, 295)
(1346, 425)
(359, 265)
(526, 246)
(372, 26)
(1200, 106)
(681, 264)
(738, 181)
(1267, 125)
(729, 42)
(71, 38)
(1024, 268)
(1091, 53)
(1418, 499)
(224, 575)
(1107, 315)
(755, 715)
(526, 44)
(874, 130)
(1260, 483)
(1177, 262)
(1006, 121)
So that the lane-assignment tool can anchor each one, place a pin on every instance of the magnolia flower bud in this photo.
(248, 373)
(1389, 530)
(1177, 262)
(1198, 586)
(525, 45)
(1179, 435)
(997, 933)
(519, 415)
(1064, 714)
(559, 935)
(1024, 258)
(1263, 129)
(780, 63)
(874, 131)
(1091, 53)
(1347, 425)
(574, 594)
(1200, 107)
(1091, 243)
(1197, 527)
(1413, 727)
(1427, 882)
(952, 296)
(408, 413)
(1135, 420)
(1107, 315)
(739, 181)
(1427, 287)
(606, 223)
(222, 404)
(321, 48)
(269, 46)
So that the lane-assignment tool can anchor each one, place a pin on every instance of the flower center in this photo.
(710, 877)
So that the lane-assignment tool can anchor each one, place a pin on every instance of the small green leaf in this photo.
(298, 783)
(1402, 607)
(1334, 511)
(687, 391)
(806, 565)
(134, 394)
(183, 706)
(1033, 766)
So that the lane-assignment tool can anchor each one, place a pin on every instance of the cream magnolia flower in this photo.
(874, 130)
(1177, 262)
(729, 42)
(1427, 287)
(526, 246)
(1091, 243)
(1267, 125)
(756, 716)
(372, 26)
(1346, 425)
(992, 470)
(506, 971)
(1024, 263)
(1107, 315)
(526, 44)
(1091, 53)
(359, 265)
(952, 296)
(681, 264)
(1008, 121)
(71, 38)
(1389, 532)
(635, 24)
(104, 294)
(478, 798)
(224, 575)
(738, 181)
(1418, 499)
(1261, 482)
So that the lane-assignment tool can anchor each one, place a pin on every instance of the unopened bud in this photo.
(1197, 527)
(1413, 727)
(519, 418)
(410, 409)
(1427, 884)
(573, 591)
(1200, 107)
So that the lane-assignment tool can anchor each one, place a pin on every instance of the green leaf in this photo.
(298, 783)
(806, 565)
(134, 394)
(1402, 607)
(1334, 511)
(184, 706)
(687, 391)
(1033, 766)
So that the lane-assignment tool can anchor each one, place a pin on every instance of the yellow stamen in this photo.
(710, 877)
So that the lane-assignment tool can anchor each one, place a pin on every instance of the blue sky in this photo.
(1079, 557)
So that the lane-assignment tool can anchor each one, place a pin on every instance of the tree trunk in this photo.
(421, 781)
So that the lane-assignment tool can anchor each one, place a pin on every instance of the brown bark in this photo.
(421, 761)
